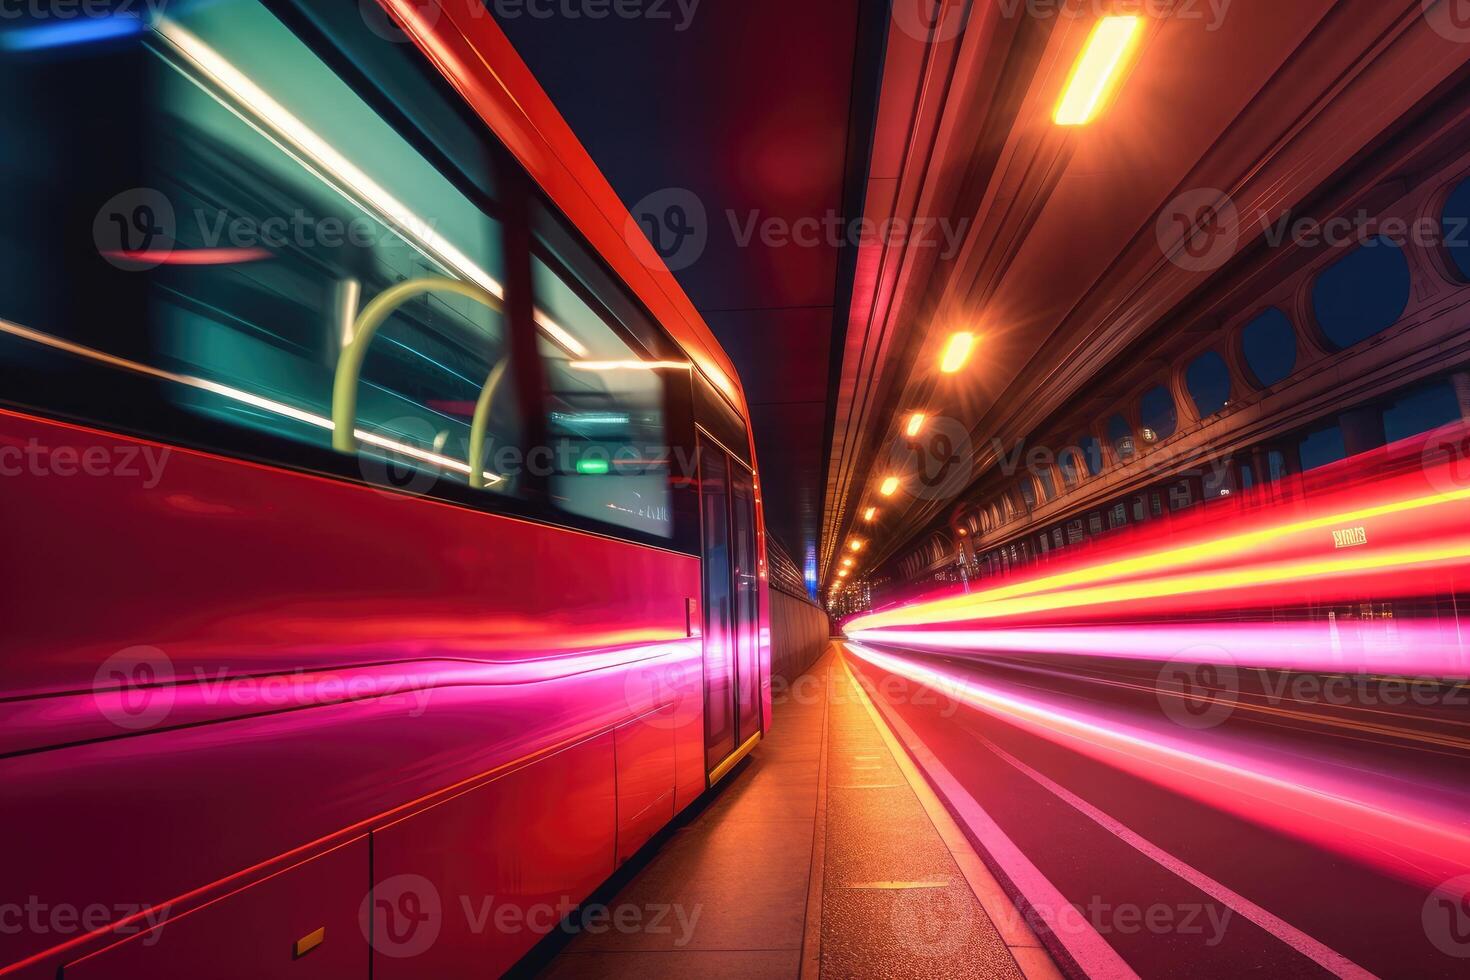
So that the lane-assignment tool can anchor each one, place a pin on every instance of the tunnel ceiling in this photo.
(721, 125)
(1062, 235)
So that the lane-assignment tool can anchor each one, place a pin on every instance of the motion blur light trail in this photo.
(1405, 648)
(1275, 676)
(1412, 829)
(1392, 525)
(1425, 533)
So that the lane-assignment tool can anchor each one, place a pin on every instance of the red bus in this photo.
(383, 533)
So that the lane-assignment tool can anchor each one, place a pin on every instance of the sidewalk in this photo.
(825, 854)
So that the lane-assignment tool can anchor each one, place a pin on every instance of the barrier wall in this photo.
(799, 634)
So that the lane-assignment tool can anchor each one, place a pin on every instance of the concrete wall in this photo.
(799, 634)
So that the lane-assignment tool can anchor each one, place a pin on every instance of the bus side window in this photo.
(610, 455)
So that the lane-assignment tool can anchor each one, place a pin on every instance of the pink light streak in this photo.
(1401, 647)
(1412, 830)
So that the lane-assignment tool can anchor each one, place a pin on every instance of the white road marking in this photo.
(1092, 954)
(1325, 957)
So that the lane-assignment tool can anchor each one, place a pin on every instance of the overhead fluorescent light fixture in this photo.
(957, 352)
(1099, 69)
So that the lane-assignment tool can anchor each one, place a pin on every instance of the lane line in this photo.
(1324, 956)
(1088, 950)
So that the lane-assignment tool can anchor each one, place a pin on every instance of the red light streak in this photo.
(1418, 835)
(1364, 537)
(191, 256)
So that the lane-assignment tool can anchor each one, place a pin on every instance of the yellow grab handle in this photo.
(365, 327)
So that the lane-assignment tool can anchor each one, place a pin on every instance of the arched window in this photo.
(1028, 493)
(1208, 381)
(1269, 345)
(1071, 466)
(1456, 224)
(1092, 454)
(1363, 293)
(1048, 485)
(1120, 435)
(1157, 412)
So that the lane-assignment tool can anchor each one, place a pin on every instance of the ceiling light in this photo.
(957, 351)
(870, 513)
(855, 545)
(847, 563)
(916, 424)
(889, 487)
(1098, 70)
(842, 574)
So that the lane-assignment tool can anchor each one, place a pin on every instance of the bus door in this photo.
(731, 606)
